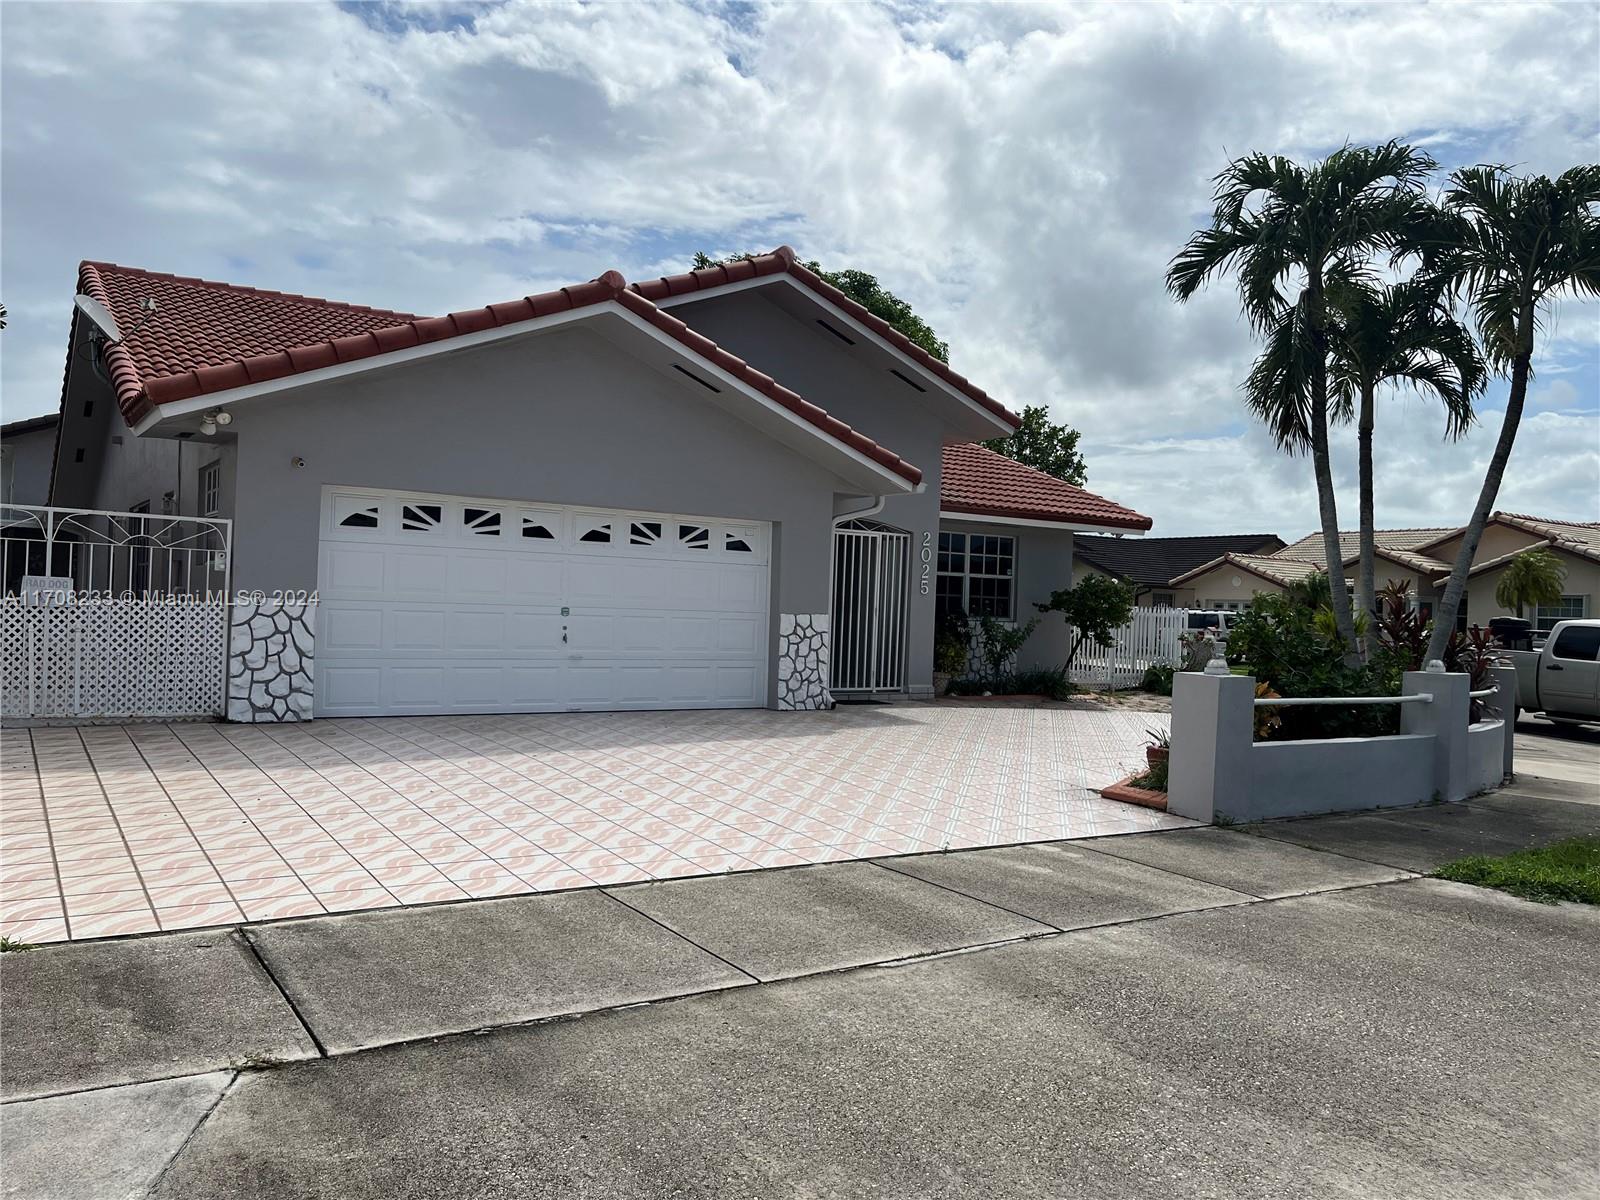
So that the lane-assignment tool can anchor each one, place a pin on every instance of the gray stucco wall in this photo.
(26, 466)
(565, 418)
(1043, 564)
(120, 470)
(826, 372)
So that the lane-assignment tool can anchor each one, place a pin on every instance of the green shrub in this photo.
(951, 640)
(1154, 778)
(1279, 639)
(998, 645)
(1051, 683)
(1158, 678)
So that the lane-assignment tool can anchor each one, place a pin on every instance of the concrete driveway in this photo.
(1278, 1012)
(116, 830)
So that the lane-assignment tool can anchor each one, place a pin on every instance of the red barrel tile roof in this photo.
(784, 261)
(976, 480)
(205, 337)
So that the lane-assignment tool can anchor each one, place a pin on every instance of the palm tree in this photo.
(1401, 333)
(1533, 577)
(1279, 225)
(1510, 245)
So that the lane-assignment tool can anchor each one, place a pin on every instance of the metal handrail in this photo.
(1488, 691)
(1280, 701)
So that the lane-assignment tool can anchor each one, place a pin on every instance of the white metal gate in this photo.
(112, 615)
(871, 576)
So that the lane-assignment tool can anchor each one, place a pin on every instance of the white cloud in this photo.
(1021, 173)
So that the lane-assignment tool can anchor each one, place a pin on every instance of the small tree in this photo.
(998, 646)
(1043, 445)
(1094, 610)
(1533, 577)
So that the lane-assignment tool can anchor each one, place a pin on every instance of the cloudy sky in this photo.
(1021, 174)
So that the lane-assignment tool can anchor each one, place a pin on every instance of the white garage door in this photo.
(437, 604)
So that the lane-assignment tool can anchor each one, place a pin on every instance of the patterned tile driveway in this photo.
(109, 830)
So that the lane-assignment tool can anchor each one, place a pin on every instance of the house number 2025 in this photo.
(927, 562)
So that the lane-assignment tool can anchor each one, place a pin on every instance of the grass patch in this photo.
(12, 946)
(1569, 870)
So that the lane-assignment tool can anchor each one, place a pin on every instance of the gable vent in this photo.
(907, 382)
(848, 341)
(710, 387)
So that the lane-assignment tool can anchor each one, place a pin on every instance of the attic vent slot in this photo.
(848, 341)
(906, 381)
(709, 387)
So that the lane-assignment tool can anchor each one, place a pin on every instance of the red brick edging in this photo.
(1124, 791)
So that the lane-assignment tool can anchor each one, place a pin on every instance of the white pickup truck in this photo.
(1562, 680)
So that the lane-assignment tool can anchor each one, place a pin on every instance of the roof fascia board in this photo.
(947, 514)
(162, 413)
(1002, 428)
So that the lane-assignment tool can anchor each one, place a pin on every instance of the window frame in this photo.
(211, 488)
(1545, 624)
(1005, 552)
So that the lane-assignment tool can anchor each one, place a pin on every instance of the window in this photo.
(483, 522)
(536, 529)
(976, 575)
(597, 533)
(737, 543)
(1580, 643)
(211, 489)
(1571, 608)
(421, 518)
(350, 513)
(694, 537)
(644, 533)
(1162, 599)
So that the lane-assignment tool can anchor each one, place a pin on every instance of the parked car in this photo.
(1562, 680)
(1214, 621)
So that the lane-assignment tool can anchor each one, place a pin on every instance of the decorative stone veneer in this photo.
(803, 661)
(270, 651)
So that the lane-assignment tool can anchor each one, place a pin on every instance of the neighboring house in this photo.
(1230, 581)
(676, 494)
(1575, 544)
(27, 449)
(1151, 564)
(1422, 559)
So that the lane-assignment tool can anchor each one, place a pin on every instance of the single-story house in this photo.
(1150, 564)
(1230, 581)
(731, 487)
(27, 450)
(1575, 544)
(1422, 559)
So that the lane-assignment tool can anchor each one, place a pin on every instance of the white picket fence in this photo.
(1150, 638)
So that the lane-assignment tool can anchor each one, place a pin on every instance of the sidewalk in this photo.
(1276, 1011)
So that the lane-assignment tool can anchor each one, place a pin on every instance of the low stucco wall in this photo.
(1295, 779)
(1218, 771)
(1485, 755)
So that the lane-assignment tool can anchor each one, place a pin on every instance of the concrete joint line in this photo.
(945, 887)
(266, 969)
(155, 1184)
(681, 937)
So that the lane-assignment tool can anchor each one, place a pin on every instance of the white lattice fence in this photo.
(111, 658)
(1150, 638)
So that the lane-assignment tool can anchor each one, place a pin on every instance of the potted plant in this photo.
(1158, 747)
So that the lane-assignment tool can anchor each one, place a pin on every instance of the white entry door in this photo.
(439, 604)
